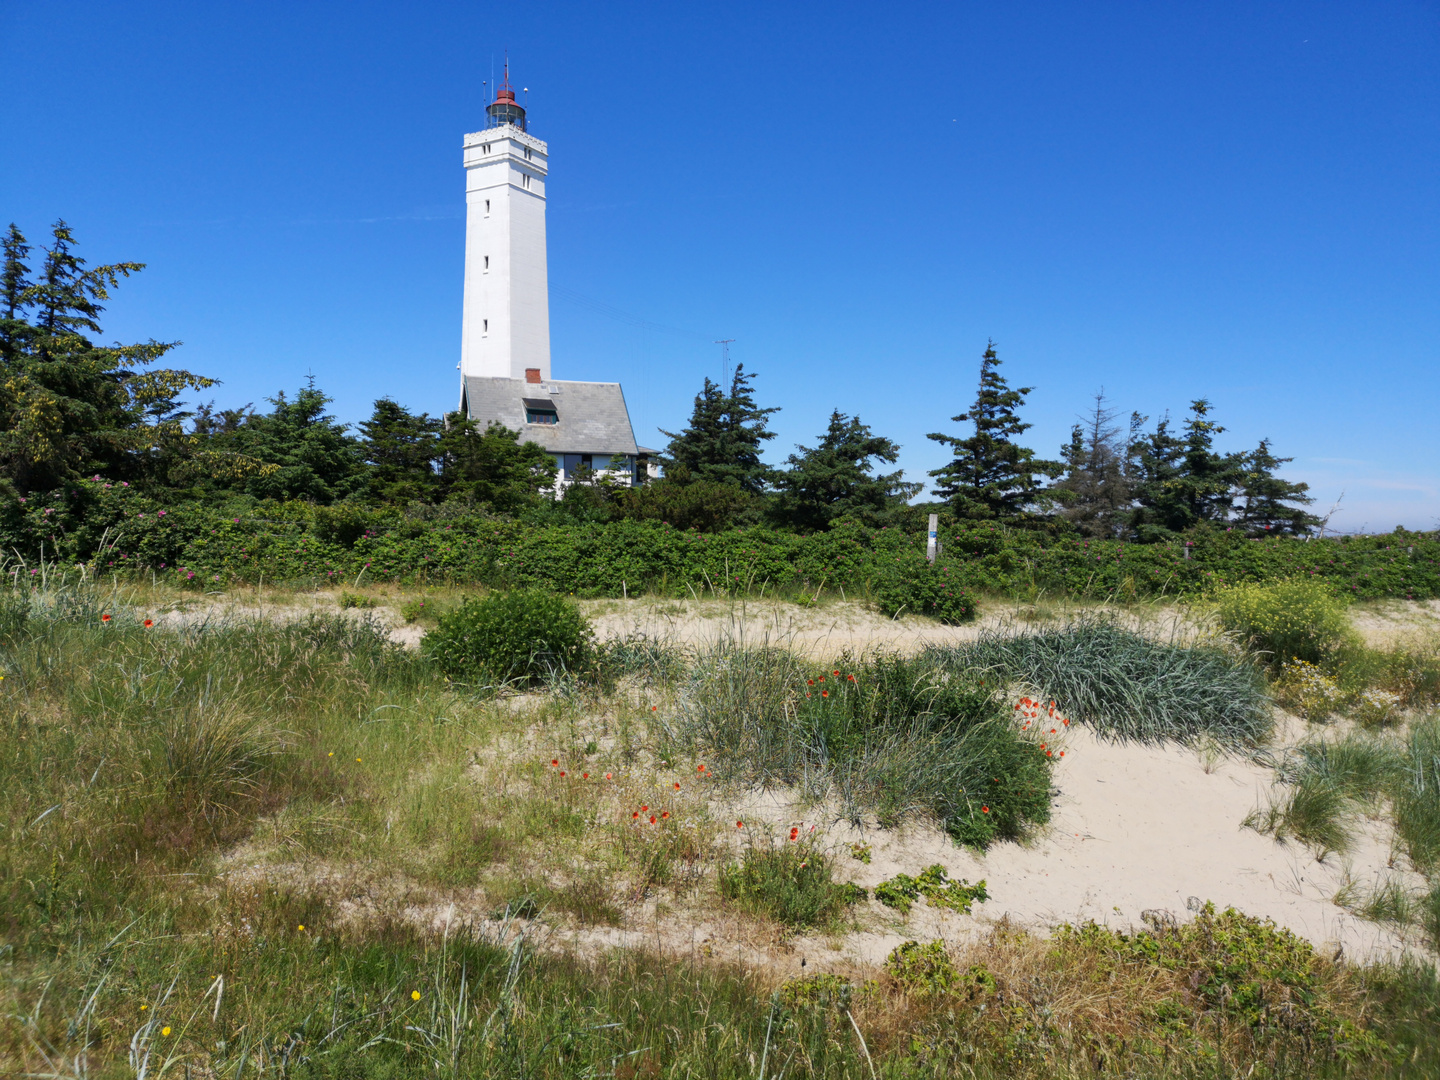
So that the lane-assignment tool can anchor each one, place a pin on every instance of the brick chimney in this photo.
(532, 374)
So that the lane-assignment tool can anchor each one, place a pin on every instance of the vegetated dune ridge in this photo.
(1138, 830)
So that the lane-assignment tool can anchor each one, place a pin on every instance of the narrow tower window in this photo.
(525, 181)
(487, 262)
(485, 326)
(487, 206)
(527, 153)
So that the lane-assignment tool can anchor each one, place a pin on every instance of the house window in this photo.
(541, 416)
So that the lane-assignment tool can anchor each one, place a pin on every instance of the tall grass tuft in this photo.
(1330, 783)
(890, 736)
(1126, 686)
(1417, 800)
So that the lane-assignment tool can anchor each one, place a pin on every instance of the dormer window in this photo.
(540, 411)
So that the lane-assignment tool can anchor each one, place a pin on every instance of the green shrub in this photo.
(934, 883)
(1298, 619)
(1126, 686)
(523, 636)
(923, 970)
(891, 736)
(916, 587)
(355, 600)
(789, 882)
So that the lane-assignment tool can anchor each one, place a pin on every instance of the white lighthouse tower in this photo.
(506, 329)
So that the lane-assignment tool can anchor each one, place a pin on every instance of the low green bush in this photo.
(1298, 619)
(891, 736)
(788, 881)
(938, 591)
(901, 891)
(520, 636)
(1124, 685)
(923, 970)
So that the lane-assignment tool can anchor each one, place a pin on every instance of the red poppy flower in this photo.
(809, 682)
(584, 776)
(149, 623)
(554, 763)
(1048, 753)
(104, 618)
(652, 819)
(636, 814)
(852, 678)
(794, 833)
(562, 772)
(984, 809)
(836, 673)
(666, 814)
(644, 809)
(652, 708)
(607, 776)
(1062, 753)
(699, 768)
(824, 693)
(739, 824)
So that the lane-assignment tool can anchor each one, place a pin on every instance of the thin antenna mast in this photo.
(725, 359)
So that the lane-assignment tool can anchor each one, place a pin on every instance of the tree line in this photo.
(70, 408)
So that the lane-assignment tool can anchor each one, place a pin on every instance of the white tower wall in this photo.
(506, 324)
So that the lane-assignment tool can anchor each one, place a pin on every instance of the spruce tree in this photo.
(1094, 492)
(1272, 505)
(1180, 481)
(837, 479)
(723, 440)
(68, 406)
(15, 295)
(992, 476)
(401, 449)
(313, 454)
(493, 467)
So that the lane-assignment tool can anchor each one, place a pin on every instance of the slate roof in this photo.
(592, 417)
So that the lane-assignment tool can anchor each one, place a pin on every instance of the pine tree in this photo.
(991, 475)
(723, 439)
(836, 479)
(1095, 492)
(1272, 505)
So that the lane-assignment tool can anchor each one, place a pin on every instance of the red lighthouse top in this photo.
(504, 110)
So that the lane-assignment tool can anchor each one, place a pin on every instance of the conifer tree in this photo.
(15, 286)
(992, 476)
(67, 405)
(1272, 505)
(836, 478)
(723, 440)
(1094, 492)
(401, 449)
(313, 454)
(493, 466)
(1180, 481)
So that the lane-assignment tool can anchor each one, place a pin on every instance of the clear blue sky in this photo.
(1229, 200)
